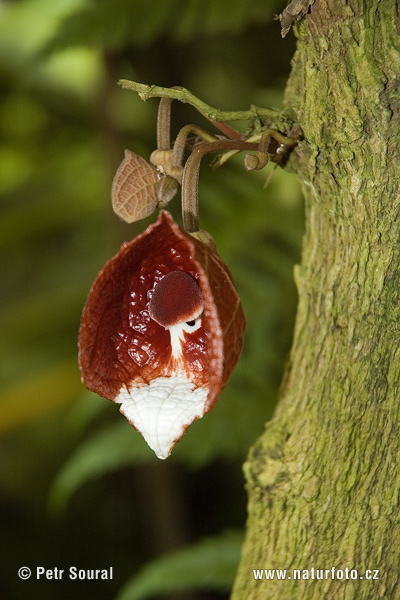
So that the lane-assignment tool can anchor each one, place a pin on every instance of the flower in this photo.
(161, 331)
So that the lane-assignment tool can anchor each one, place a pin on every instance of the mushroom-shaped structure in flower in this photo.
(161, 332)
(176, 299)
(177, 305)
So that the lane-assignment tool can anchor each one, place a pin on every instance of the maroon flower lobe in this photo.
(161, 331)
(176, 299)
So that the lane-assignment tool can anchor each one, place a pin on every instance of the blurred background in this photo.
(78, 486)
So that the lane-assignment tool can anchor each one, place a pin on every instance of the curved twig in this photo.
(190, 203)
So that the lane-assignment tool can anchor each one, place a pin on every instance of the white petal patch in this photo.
(162, 410)
(177, 334)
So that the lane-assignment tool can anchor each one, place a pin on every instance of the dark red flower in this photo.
(161, 332)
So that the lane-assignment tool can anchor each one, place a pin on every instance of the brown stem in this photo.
(190, 204)
(181, 138)
(164, 124)
(226, 129)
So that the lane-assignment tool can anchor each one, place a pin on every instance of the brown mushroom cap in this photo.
(176, 299)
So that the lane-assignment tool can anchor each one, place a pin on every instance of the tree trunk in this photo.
(324, 479)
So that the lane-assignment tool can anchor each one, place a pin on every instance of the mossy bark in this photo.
(324, 478)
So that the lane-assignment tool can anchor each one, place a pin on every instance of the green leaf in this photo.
(209, 564)
(113, 23)
(213, 17)
(116, 23)
(113, 448)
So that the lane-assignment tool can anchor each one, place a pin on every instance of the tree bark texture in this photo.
(324, 478)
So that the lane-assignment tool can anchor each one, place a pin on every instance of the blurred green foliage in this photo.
(209, 563)
(78, 485)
